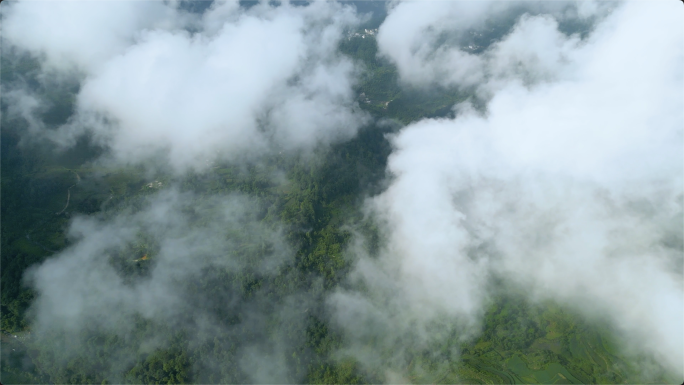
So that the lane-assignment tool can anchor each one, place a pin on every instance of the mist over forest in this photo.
(342, 192)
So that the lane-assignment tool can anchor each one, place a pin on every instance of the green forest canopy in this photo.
(520, 342)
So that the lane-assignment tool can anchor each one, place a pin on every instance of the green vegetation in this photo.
(381, 94)
(520, 342)
(544, 344)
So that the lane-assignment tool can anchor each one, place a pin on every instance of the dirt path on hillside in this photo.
(78, 180)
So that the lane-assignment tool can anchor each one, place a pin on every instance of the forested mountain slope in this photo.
(293, 224)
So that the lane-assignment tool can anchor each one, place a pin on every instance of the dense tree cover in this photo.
(520, 342)
(319, 198)
(523, 342)
(381, 93)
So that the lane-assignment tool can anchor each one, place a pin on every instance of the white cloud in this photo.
(102, 285)
(433, 45)
(82, 33)
(570, 186)
(246, 81)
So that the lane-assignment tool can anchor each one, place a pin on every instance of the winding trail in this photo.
(78, 180)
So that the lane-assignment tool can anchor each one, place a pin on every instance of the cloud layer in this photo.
(175, 92)
(570, 185)
(171, 263)
(160, 85)
(457, 43)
